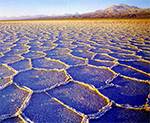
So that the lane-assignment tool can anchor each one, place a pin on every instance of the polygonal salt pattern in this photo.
(87, 100)
(41, 79)
(17, 119)
(44, 109)
(13, 100)
(121, 115)
(75, 71)
(21, 65)
(127, 91)
(48, 63)
(130, 72)
(91, 75)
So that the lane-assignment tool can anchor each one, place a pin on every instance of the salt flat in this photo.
(73, 71)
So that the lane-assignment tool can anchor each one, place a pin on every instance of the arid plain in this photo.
(73, 71)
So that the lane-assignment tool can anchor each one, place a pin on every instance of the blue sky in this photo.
(59, 7)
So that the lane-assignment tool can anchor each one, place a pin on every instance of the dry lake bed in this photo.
(75, 71)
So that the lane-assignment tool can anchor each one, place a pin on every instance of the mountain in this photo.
(114, 11)
(119, 11)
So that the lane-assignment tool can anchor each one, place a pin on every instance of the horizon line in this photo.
(66, 14)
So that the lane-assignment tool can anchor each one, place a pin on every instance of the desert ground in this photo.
(75, 71)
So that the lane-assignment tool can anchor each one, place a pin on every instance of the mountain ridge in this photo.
(120, 11)
(114, 11)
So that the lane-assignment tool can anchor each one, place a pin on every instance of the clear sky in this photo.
(10, 8)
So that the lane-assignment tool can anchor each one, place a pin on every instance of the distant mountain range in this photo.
(115, 11)
(119, 11)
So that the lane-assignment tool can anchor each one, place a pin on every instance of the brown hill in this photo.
(119, 11)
